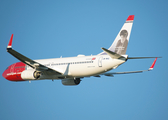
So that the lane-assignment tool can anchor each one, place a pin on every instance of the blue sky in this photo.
(50, 29)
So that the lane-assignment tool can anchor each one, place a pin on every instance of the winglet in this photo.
(10, 42)
(153, 64)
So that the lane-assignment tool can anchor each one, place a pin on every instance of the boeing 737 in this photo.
(72, 69)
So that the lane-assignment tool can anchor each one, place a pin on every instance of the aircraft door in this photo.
(100, 61)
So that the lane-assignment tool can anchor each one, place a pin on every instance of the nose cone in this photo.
(4, 74)
(13, 72)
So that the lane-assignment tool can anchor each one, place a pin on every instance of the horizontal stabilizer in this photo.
(113, 54)
(141, 57)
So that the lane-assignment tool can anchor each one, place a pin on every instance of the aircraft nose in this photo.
(13, 72)
(4, 74)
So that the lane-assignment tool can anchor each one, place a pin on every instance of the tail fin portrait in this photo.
(120, 43)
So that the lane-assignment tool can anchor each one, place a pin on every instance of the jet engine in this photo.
(71, 81)
(30, 74)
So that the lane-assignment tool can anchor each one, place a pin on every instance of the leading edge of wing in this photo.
(128, 72)
(26, 60)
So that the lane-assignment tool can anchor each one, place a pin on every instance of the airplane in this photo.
(70, 70)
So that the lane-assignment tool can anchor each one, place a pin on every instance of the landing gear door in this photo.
(100, 61)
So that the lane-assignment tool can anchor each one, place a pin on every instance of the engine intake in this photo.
(36, 74)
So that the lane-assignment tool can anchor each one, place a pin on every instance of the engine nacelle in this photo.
(30, 74)
(71, 81)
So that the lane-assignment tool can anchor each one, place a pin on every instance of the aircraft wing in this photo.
(28, 61)
(128, 72)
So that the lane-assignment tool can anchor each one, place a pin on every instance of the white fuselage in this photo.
(80, 66)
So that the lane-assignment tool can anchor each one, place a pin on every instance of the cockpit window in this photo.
(19, 67)
(7, 68)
